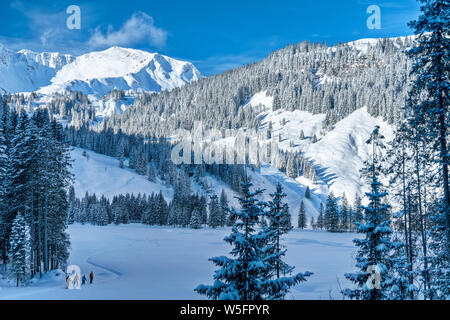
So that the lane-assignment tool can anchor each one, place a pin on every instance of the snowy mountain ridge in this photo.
(98, 73)
(94, 73)
(27, 70)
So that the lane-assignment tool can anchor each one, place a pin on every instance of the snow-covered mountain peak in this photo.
(95, 73)
(113, 62)
(100, 72)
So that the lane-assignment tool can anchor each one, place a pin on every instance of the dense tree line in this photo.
(34, 177)
(336, 216)
(153, 209)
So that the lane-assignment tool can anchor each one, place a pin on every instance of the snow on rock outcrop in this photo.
(26, 70)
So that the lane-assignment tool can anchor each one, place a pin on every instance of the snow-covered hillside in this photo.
(99, 174)
(338, 155)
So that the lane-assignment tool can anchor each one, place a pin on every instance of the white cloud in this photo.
(139, 28)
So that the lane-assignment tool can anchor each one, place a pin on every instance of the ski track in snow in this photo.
(92, 263)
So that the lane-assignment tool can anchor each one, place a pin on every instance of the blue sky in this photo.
(214, 35)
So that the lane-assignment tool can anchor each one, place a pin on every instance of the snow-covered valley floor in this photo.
(141, 262)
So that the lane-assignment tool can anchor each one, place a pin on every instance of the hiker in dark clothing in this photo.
(91, 277)
(83, 280)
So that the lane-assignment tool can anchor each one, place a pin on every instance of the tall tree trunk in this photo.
(444, 159)
(46, 264)
(443, 144)
(405, 216)
(39, 245)
(421, 218)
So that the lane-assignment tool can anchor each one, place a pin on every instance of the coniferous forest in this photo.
(399, 217)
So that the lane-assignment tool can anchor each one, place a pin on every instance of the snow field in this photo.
(141, 262)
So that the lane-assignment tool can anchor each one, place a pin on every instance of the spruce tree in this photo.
(196, 220)
(357, 213)
(291, 167)
(344, 214)
(240, 278)
(374, 279)
(313, 223)
(331, 216)
(439, 269)
(152, 173)
(301, 216)
(214, 220)
(278, 211)
(4, 182)
(20, 250)
(321, 218)
(249, 274)
(223, 203)
(307, 193)
(121, 155)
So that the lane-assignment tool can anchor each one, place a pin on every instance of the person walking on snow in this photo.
(91, 277)
(76, 280)
(83, 280)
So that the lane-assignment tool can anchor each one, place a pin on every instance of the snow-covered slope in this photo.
(99, 174)
(98, 73)
(338, 155)
(27, 70)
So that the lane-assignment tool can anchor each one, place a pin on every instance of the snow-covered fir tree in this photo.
(344, 214)
(331, 215)
(216, 216)
(4, 180)
(321, 218)
(307, 193)
(223, 203)
(20, 250)
(278, 214)
(301, 224)
(196, 220)
(374, 280)
(248, 274)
